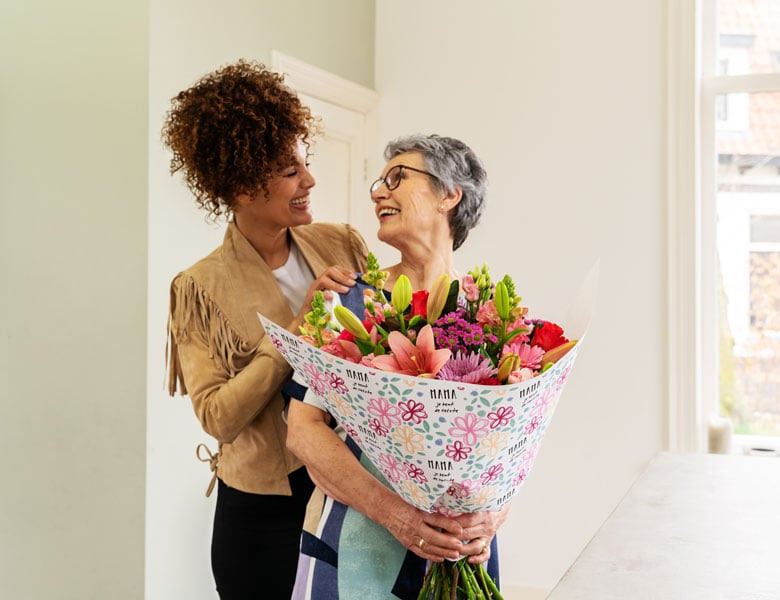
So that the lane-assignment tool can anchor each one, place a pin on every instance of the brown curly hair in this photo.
(231, 130)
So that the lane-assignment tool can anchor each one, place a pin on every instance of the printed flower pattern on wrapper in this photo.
(436, 442)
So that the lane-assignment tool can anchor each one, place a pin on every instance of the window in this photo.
(724, 220)
(740, 153)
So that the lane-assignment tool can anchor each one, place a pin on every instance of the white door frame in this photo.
(327, 87)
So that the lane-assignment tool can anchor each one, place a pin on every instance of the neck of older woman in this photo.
(271, 243)
(423, 268)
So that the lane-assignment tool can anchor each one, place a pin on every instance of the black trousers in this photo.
(254, 547)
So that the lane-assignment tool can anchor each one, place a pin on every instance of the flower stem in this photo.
(458, 580)
(454, 591)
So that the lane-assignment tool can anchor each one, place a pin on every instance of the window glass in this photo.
(748, 239)
(748, 36)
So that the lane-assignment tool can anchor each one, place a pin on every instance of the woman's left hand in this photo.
(479, 528)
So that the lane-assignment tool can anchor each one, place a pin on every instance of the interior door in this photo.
(346, 154)
(336, 159)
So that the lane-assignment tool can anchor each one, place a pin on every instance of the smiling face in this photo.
(410, 209)
(286, 203)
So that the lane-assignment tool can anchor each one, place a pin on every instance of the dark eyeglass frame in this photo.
(375, 186)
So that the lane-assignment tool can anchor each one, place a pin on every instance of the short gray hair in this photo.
(455, 165)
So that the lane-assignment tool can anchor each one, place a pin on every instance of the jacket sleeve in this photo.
(229, 382)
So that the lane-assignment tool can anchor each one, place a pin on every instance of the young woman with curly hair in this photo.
(240, 138)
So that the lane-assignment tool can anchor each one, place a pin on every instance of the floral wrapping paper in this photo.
(443, 446)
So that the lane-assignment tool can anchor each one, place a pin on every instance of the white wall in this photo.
(564, 102)
(73, 115)
(187, 40)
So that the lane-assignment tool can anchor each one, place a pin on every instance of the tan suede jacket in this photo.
(218, 352)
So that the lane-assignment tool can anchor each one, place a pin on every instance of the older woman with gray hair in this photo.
(361, 539)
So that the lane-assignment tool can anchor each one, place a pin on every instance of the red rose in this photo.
(345, 335)
(489, 381)
(547, 335)
(420, 303)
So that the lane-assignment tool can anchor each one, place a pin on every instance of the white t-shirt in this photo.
(294, 277)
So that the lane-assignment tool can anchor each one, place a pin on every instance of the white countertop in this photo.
(692, 527)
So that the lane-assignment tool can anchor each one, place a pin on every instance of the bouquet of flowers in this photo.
(447, 391)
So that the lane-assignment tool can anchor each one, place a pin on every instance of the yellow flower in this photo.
(410, 439)
(437, 297)
(484, 496)
(414, 492)
(492, 444)
(507, 364)
(342, 407)
(557, 353)
(401, 296)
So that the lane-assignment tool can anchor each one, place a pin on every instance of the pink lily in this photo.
(345, 349)
(420, 360)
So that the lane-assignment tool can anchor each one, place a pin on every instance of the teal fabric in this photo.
(370, 558)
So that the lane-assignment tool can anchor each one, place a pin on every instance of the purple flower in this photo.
(469, 368)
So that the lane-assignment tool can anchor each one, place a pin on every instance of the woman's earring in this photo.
(442, 207)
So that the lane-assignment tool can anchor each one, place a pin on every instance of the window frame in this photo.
(693, 86)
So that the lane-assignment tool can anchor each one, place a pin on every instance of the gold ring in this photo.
(421, 543)
(484, 548)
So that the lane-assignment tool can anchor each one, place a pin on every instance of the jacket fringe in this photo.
(191, 307)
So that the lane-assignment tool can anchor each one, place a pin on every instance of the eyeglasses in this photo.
(394, 176)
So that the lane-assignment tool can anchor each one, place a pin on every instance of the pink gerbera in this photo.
(530, 356)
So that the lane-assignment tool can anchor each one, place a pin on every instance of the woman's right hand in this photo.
(339, 474)
(430, 536)
(333, 279)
